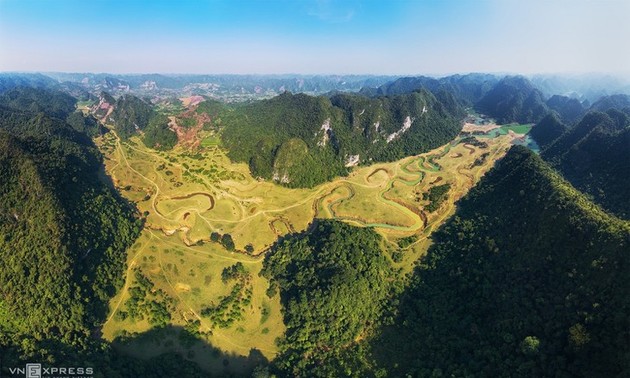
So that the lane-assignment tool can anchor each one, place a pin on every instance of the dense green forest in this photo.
(63, 239)
(618, 101)
(513, 99)
(594, 156)
(158, 135)
(548, 129)
(569, 109)
(301, 141)
(132, 116)
(53, 103)
(334, 282)
(528, 278)
(51, 193)
(467, 89)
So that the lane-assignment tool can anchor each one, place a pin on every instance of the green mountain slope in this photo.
(130, 115)
(548, 130)
(334, 133)
(529, 278)
(333, 282)
(467, 89)
(513, 99)
(63, 235)
(569, 109)
(594, 156)
(617, 101)
(53, 103)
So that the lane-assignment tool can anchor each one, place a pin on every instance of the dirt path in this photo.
(202, 321)
(132, 263)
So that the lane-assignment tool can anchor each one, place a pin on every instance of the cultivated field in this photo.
(187, 196)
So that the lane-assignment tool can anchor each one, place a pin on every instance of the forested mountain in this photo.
(594, 156)
(334, 282)
(513, 99)
(51, 102)
(467, 89)
(63, 232)
(131, 115)
(299, 140)
(569, 109)
(529, 278)
(36, 80)
(617, 101)
(548, 129)
(510, 99)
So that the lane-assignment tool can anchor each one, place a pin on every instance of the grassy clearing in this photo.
(186, 197)
(517, 128)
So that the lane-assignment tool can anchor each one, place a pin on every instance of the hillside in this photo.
(528, 277)
(130, 116)
(467, 89)
(618, 101)
(548, 130)
(513, 99)
(51, 102)
(334, 133)
(36, 80)
(594, 157)
(569, 109)
(333, 283)
(62, 228)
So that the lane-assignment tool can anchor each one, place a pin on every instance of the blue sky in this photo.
(315, 36)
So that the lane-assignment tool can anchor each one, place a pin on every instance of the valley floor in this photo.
(176, 271)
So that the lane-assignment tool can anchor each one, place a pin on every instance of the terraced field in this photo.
(193, 200)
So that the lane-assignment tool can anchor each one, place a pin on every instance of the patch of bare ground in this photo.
(471, 127)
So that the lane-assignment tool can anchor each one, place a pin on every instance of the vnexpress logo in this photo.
(33, 370)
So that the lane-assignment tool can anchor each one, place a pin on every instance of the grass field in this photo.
(188, 196)
(517, 128)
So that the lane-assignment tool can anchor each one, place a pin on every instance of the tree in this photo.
(227, 242)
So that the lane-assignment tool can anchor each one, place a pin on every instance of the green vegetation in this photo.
(158, 135)
(231, 307)
(548, 130)
(436, 196)
(517, 128)
(528, 277)
(63, 236)
(144, 302)
(130, 115)
(333, 284)
(210, 141)
(594, 156)
(84, 124)
(513, 99)
(473, 142)
(53, 103)
(568, 109)
(301, 141)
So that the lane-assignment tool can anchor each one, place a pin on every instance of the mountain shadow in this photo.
(528, 278)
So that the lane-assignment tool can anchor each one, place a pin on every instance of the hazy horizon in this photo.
(316, 37)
